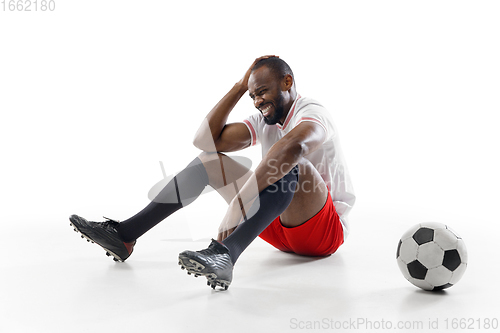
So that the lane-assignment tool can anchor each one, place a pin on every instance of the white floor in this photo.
(53, 281)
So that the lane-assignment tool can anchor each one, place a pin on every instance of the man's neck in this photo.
(288, 106)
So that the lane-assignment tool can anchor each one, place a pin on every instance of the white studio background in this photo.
(95, 93)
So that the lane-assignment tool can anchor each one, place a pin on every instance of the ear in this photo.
(287, 83)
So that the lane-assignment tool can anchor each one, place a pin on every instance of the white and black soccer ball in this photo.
(432, 256)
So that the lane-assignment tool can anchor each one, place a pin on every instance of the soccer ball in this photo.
(432, 256)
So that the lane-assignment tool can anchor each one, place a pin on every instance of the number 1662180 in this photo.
(27, 5)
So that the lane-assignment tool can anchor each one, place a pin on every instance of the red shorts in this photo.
(321, 235)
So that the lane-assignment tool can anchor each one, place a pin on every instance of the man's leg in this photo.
(227, 176)
(216, 262)
(308, 198)
(319, 233)
(217, 170)
(118, 239)
(182, 190)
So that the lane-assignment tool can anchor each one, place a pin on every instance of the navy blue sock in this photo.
(182, 190)
(273, 201)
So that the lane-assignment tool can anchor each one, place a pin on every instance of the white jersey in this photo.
(328, 159)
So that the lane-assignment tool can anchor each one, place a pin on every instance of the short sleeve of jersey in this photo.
(316, 113)
(254, 124)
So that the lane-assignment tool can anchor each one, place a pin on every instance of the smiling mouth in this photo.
(265, 111)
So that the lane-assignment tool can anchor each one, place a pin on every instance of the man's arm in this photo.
(287, 152)
(214, 134)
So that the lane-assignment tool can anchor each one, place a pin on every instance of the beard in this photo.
(278, 112)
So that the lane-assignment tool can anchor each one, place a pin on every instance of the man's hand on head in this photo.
(244, 81)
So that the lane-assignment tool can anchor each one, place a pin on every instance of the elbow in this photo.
(203, 138)
(197, 143)
(203, 146)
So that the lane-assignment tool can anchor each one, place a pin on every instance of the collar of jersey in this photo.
(290, 114)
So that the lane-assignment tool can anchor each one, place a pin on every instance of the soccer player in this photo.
(297, 199)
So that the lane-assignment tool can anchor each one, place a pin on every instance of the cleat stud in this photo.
(208, 283)
(115, 259)
(189, 273)
(82, 236)
(183, 268)
(107, 253)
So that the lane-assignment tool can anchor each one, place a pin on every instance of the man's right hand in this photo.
(244, 81)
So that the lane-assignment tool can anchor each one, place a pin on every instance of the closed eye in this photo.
(259, 92)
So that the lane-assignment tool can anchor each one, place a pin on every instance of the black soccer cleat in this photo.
(213, 262)
(104, 234)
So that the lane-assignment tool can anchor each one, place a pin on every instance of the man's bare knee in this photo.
(207, 157)
(223, 170)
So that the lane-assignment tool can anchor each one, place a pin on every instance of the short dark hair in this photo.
(277, 66)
